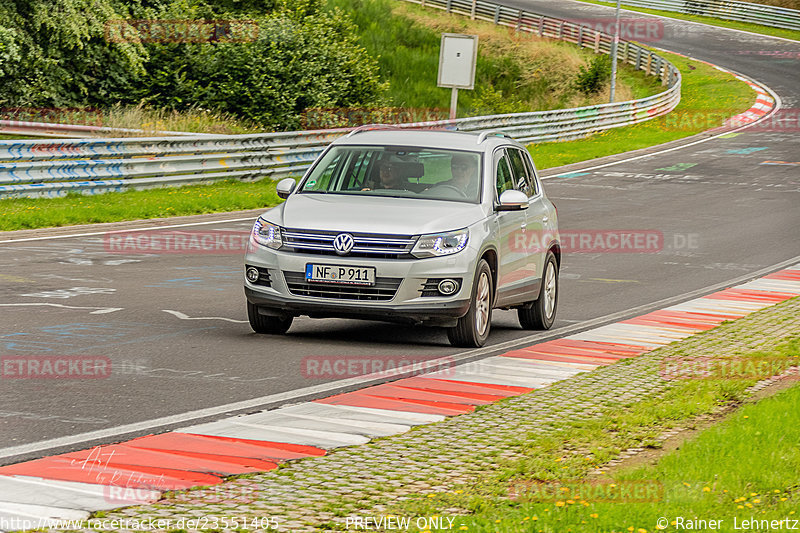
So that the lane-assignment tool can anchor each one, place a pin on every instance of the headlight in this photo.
(440, 244)
(267, 234)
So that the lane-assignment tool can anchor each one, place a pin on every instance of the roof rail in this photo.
(485, 134)
(371, 127)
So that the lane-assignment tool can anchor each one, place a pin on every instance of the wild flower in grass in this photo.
(756, 501)
(748, 505)
(570, 502)
(706, 489)
(559, 504)
(594, 515)
(740, 506)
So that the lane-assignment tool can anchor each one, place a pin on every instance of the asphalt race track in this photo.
(173, 326)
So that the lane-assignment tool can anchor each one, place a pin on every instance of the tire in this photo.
(542, 313)
(473, 328)
(273, 325)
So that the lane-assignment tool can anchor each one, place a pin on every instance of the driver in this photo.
(464, 169)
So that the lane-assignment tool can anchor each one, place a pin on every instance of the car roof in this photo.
(445, 139)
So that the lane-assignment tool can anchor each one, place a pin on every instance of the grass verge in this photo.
(745, 467)
(711, 21)
(29, 213)
(708, 97)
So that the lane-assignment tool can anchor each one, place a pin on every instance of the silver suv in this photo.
(420, 227)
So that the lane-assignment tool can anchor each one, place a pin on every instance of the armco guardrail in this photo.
(778, 17)
(91, 166)
(48, 129)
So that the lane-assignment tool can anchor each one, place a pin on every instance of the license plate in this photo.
(344, 274)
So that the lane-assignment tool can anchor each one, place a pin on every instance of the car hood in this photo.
(373, 214)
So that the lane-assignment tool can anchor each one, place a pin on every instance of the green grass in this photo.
(751, 455)
(746, 467)
(28, 213)
(708, 96)
(712, 21)
(515, 72)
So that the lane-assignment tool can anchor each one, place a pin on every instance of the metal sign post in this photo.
(614, 48)
(458, 56)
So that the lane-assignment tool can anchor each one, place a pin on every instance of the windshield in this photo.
(404, 172)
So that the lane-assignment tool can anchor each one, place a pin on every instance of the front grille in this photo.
(431, 287)
(366, 244)
(383, 290)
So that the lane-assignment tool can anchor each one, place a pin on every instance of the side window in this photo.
(357, 170)
(505, 180)
(522, 179)
(532, 173)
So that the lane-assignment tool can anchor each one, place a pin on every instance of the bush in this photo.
(591, 80)
(54, 53)
(295, 63)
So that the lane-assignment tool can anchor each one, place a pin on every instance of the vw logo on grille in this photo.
(343, 243)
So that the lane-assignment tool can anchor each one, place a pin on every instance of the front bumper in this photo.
(406, 306)
(440, 314)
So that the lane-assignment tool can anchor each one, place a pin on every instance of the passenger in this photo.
(387, 177)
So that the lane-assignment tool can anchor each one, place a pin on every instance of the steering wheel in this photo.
(450, 187)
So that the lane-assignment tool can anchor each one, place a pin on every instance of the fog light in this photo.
(252, 274)
(448, 286)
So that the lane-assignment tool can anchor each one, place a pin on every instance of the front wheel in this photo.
(473, 328)
(274, 325)
(542, 313)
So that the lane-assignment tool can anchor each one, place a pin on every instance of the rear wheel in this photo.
(473, 328)
(274, 325)
(542, 313)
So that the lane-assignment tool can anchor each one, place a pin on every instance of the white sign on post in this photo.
(457, 58)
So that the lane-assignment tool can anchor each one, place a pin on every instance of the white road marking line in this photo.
(187, 317)
(151, 228)
(98, 311)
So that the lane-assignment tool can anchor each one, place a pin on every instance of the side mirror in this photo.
(285, 187)
(513, 200)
